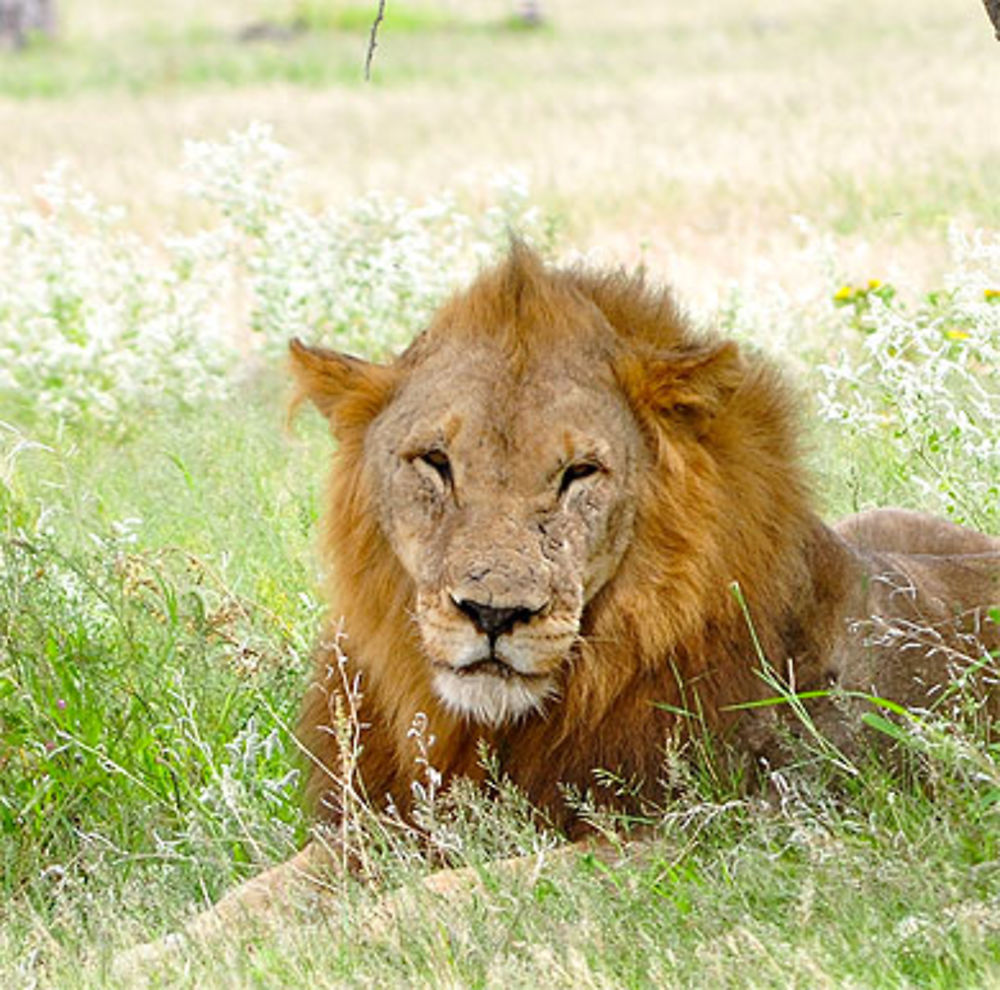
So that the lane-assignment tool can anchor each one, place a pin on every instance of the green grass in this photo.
(143, 666)
(203, 58)
(159, 591)
(138, 640)
(324, 16)
(321, 45)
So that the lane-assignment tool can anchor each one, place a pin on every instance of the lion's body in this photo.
(443, 493)
(536, 521)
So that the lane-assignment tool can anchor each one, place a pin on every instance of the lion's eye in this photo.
(577, 472)
(438, 460)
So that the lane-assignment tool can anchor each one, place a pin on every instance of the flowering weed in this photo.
(924, 377)
(98, 324)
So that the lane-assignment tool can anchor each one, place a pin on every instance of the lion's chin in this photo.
(485, 696)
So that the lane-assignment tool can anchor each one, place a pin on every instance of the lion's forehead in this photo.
(478, 410)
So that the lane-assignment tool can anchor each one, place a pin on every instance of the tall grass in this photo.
(158, 602)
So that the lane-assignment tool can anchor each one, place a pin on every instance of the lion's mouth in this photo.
(491, 689)
(491, 666)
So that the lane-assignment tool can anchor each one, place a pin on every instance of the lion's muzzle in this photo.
(493, 660)
(494, 621)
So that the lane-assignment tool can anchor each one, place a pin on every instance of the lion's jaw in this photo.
(509, 502)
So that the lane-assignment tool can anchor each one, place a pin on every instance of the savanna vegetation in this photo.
(181, 194)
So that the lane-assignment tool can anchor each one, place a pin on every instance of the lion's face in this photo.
(509, 500)
(492, 479)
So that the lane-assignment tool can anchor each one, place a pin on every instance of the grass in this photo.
(158, 589)
(145, 666)
(315, 45)
(136, 643)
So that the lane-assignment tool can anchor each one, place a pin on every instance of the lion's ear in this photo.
(349, 392)
(690, 385)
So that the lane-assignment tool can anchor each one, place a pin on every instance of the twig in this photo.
(373, 40)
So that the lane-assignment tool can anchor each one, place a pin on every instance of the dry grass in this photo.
(688, 135)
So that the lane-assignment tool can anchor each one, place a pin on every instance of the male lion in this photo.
(537, 518)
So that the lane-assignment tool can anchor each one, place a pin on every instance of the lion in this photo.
(566, 526)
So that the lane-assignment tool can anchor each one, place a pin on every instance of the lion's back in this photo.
(907, 531)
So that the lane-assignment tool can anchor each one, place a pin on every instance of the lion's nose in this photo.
(492, 621)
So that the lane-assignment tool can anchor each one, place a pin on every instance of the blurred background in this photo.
(682, 133)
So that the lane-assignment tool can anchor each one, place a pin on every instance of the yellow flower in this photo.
(991, 294)
(873, 284)
(843, 293)
(956, 334)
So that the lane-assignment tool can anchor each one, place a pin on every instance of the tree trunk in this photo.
(19, 19)
(993, 12)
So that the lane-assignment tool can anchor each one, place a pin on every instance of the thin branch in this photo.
(373, 40)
